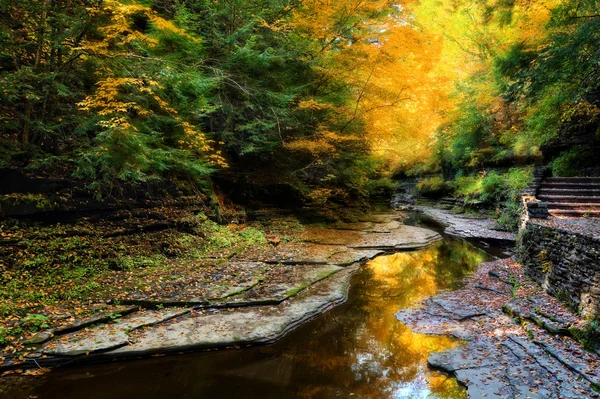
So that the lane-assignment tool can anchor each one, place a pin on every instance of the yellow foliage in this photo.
(316, 147)
(313, 105)
(106, 100)
(120, 32)
(390, 66)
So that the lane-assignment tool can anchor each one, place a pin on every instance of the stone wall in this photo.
(566, 264)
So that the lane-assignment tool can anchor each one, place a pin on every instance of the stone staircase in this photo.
(571, 196)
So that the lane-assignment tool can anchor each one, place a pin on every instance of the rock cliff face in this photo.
(565, 260)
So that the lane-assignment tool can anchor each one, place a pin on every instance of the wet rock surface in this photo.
(469, 227)
(240, 326)
(517, 344)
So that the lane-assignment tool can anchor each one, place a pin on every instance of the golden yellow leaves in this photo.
(197, 142)
(313, 105)
(320, 195)
(120, 30)
(316, 147)
(108, 101)
(106, 98)
(323, 143)
(167, 26)
(329, 20)
(388, 64)
(581, 109)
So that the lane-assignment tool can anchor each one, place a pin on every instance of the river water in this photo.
(356, 350)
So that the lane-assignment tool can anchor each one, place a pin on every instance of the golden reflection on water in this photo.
(388, 360)
(357, 350)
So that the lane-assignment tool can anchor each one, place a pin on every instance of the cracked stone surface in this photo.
(108, 336)
(354, 255)
(200, 285)
(299, 253)
(278, 284)
(285, 281)
(204, 329)
(503, 359)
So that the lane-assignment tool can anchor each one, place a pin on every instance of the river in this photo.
(357, 350)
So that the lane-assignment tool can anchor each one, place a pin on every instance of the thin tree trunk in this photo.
(38, 57)
(26, 122)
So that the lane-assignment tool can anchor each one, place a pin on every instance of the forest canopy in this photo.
(329, 97)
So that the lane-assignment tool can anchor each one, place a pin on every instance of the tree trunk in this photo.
(26, 122)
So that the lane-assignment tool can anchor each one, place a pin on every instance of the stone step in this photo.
(571, 186)
(570, 199)
(575, 213)
(574, 206)
(570, 192)
(579, 180)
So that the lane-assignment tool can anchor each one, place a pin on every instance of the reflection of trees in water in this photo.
(375, 355)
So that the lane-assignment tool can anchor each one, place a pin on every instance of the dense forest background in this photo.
(330, 99)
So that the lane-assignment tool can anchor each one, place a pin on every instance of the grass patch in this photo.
(589, 336)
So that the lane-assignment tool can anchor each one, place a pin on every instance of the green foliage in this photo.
(502, 190)
(220, 237)
(35, 322)
(115, 317)
(434, 186)
(128, 262)
(555, 81)
(31, 323)
(516, 284)
(574, 161)
(382, 187)
(589, 336)
(469, 187)
(174, 90)
(509, 215)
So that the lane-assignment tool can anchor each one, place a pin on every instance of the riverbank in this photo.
(357, 349)
(519, 339)
(278, 285)
(521, 342)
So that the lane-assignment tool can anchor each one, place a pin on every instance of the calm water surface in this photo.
(357, 350)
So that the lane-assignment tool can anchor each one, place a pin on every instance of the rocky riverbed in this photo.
(519, 341)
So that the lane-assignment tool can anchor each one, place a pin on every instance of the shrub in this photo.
(469, 187)
(493, 187)
(509, 215)
(568, 163)
(502, 191)
(433, 186)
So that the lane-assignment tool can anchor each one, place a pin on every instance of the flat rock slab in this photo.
(405, 237)
(108, 336)
(370, 227)
(400, 238)
(305, 253)
(285, 281)
(200, 285)
(240, 326)
(468, 227)
(351, 256)
(78, 324)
